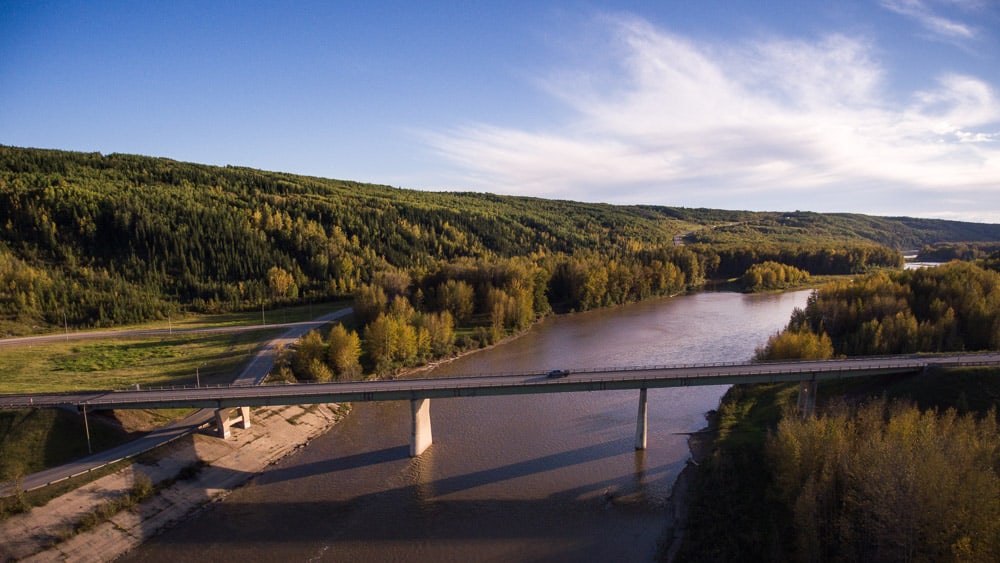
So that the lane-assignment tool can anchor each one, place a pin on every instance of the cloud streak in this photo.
(775, 123)
(922, 13)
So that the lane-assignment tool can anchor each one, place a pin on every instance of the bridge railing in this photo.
(818, 366)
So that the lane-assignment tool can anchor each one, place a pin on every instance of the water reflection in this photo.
(425, 490)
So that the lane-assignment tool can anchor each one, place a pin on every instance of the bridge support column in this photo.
(807, 398)
(420, 426)
(640, 423)
(223, 423)
(244, 420)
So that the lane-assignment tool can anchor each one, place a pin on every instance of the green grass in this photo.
(122, 361)
(119, 361)
(109, 356)
(33, 439)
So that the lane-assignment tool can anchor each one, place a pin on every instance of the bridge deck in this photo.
(515, 384)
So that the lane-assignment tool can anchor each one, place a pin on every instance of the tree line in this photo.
(406, 319)
(842, 258)
(966, 251)
(99, 240)
(773, 275)
(954, 307)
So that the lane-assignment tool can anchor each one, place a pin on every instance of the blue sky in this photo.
(885, 107)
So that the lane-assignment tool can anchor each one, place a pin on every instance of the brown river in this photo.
(519, 478)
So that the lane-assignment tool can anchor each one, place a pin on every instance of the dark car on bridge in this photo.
(558, 373)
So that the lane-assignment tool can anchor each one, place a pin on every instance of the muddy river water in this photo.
(519, 478)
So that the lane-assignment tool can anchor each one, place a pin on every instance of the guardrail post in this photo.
(420, 426)
(640, 423)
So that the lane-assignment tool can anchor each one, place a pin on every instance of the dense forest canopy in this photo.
(96, 240)
(878, 480)
(901, 233)
(949, 308)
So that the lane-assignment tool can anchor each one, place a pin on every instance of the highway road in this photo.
(252, 374)
(94, 334)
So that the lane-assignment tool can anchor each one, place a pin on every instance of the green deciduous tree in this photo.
(308, 363)
(794, 345)
(369, 302)
(281, 284)
(458, 298)
(344, 352)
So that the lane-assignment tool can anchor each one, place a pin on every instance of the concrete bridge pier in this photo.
(420, 426)
(640, 424)
(807, 398)
(223, 422)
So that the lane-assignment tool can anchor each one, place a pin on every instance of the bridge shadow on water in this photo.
(298, 511)
(334, 465)
(452, 484)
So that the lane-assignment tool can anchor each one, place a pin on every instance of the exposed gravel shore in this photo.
(44, 533)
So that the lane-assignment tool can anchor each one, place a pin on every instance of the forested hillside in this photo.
(119, 238)
(96, 240)
(902, 233)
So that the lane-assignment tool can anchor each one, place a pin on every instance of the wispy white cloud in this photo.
(923, 12)
(774, 123)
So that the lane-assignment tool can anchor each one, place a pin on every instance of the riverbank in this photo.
(190, 473)
(682, 491)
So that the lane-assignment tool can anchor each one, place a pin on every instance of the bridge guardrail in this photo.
(483, 381)
(610, 369)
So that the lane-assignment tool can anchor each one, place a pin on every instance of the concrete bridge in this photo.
(420, 391)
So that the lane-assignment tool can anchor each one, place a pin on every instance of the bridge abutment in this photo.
(420, 426)
(641, 420)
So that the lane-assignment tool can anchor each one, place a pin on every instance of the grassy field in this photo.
(122, 360)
